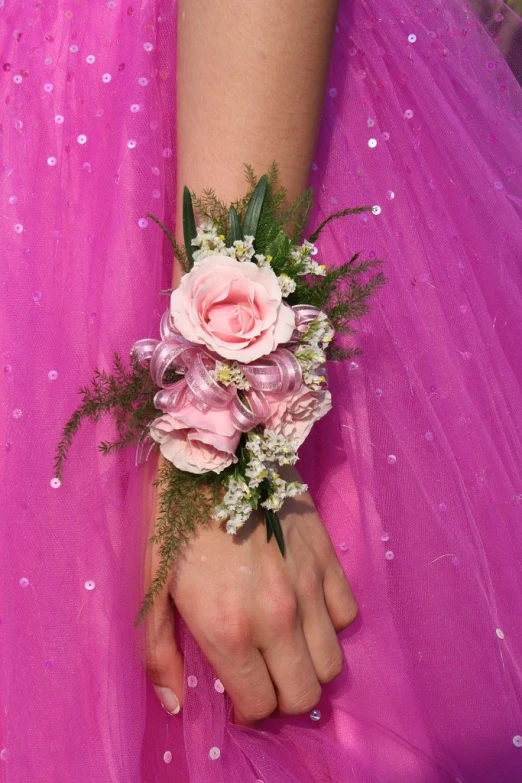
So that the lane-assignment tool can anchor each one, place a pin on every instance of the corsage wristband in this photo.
(237, 379)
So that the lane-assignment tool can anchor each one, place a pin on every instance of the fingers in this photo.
(240, 666)
(321, 638)
(164, 661)
(338, 596)
(289, 662)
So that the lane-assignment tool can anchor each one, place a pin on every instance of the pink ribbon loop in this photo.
(304, 315)
(204, 387)
(247, 416)
(279, 372)
(143, 349)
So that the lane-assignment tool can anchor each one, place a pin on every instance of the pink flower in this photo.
(293, 415)
(195, 441)
(233, 307)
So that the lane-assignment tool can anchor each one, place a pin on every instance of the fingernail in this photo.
(169, 700)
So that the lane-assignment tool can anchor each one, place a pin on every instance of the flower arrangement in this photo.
(237, 379)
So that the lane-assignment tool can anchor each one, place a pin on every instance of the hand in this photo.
(267, 624)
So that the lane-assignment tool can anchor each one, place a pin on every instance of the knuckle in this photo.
(231, 633)
(158, 662)
(259, 710)
(332, 667)
(305, 702)
(283, 610)
(348, 617)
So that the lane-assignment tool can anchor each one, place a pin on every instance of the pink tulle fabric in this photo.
(417, 472)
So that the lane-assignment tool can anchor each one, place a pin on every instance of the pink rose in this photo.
(233, 307)
(293, 415)
(195, 441)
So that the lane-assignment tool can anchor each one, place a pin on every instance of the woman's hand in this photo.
(267, 624)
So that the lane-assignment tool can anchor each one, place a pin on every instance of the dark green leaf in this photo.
(234, 227)
(275, 526)
(268, 522)
(189, 226)
(255, 205)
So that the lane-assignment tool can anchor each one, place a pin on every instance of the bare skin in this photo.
(267, 624)
(251, 81)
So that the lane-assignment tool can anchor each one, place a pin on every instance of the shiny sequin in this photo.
(390, 195)
(51, 161)
(412, 38)
(408, 114)
(428, 436)
(52, 375)
(17, 413)
(131, 144)
(315, 715)
(24, 582)
(385, 537)
(214, 753)
(143, 81)
(167, 757)
(343, 546)
(135, 107)
(219, 687)
(82, 138)
(106, 78)
(13, 199)
(17, 79)
(392, 459)
(90, 59)
(73, 48)
(148, 46)
(48, 87)
(89, 585)
(55, 483)
(3, 754)
(143, 222)
(192, 681)
(18, 228)
(517, 741)
(500, 633)
(376, 210)
(332, 92)
(389, 555)
(59, 119)
(372, 143)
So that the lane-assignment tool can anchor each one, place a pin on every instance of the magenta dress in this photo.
(417, 472)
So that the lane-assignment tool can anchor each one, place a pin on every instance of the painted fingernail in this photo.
(169, 700)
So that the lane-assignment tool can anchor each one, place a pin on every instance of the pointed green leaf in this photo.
(268, 523)
(189, 225)
(234, 227)
(255, 205)
(278, 532)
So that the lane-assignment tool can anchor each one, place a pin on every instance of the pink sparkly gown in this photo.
(417, 472)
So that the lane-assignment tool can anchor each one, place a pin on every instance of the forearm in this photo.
(251, 79)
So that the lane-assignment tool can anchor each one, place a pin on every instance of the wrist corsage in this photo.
(238, 377)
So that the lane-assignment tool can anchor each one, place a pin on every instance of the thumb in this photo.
(164, 660)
